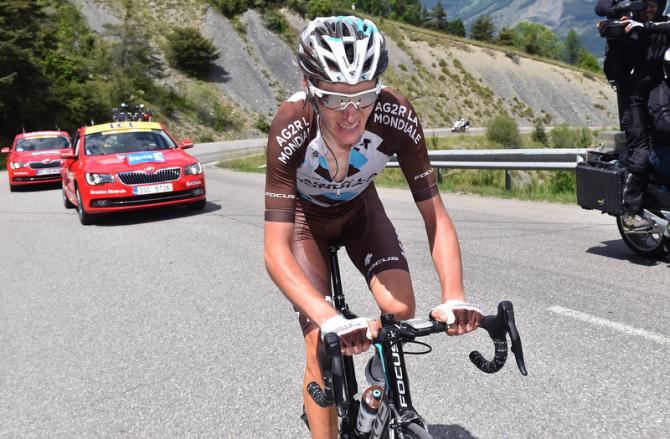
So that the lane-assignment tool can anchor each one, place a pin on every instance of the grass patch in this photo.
(253, 163)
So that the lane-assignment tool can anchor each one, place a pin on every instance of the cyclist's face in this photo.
(346, 126)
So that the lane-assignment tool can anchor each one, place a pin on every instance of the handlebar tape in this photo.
(322, 398)
(498, 361)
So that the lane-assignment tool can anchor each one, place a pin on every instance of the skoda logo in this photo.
(149, 169)
(45, 161)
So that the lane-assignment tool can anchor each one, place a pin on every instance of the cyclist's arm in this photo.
(285, 149)
(444, 247)
(289, 277)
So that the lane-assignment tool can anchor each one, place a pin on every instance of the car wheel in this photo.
(198, 205)
(85, 218)
(67, 203)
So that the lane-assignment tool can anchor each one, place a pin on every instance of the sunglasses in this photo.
(340, 101)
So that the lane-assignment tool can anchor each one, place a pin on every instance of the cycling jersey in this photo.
(296, 156)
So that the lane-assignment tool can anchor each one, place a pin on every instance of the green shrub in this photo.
(275, 21)
(262, 124)
(319, 8)
(565, 137)
(562, 181)
(504, 130)
(230, 8)
(190, 52)
(539, 134)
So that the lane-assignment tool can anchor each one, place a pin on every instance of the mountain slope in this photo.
(446, 78)
(558, 15)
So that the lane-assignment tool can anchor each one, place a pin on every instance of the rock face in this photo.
(257, 70)
(273, 53)
(97, 14)
(567, 95)
(238, 74)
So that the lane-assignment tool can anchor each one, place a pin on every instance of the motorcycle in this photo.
(123, 114)
(460, 126)
(600, 186)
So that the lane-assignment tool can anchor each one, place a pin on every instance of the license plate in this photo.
(153, 189)
(48, 171)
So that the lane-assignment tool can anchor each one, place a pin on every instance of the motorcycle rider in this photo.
(637, 61)
(659, 109)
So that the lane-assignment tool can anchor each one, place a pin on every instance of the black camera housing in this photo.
(623, 8)
(612, 30)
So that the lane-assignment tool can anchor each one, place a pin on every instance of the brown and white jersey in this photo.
(297, 165)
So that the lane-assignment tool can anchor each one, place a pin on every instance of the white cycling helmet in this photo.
(342, 49)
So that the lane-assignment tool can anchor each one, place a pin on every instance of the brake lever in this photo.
(334, 351)
(514, 336)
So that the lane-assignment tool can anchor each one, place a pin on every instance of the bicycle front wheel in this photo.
(415, 431)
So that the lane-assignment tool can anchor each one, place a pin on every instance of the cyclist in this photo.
(325, 146)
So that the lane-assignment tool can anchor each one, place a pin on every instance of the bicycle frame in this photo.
(396, 412)
(400, 409)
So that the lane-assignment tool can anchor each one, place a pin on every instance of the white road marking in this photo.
(630, 330)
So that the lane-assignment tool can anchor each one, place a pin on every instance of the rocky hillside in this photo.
(558, 15)
(446, 78)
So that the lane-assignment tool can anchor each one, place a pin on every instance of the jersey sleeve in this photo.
(412, 152)
(286, 143)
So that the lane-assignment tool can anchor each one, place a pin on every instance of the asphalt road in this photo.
(164, 323)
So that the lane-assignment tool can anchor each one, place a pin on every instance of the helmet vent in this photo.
(349, 51)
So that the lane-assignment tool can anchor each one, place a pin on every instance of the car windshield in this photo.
(41, 143)
(119, 142)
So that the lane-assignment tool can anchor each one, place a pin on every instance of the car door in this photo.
(70, 165)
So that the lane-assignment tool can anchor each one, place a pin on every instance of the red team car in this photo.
(123, 166)
(34, 158)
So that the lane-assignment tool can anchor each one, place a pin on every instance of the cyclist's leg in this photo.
(375, 249)
(312, 258)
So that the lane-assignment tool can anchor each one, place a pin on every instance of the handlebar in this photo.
(497, 326)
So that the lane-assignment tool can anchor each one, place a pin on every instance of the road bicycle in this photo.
(393, 415)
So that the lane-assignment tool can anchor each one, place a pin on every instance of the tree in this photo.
(588, 62)
(573, 47)
(537, 39)
(439, 17)
(190, 51)
(456, 27)
(506, 37)
(133, 53)
(483, 28)
(319, 8)
(414, 14)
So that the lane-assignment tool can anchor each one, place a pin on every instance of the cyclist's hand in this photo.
(353, 333)
(462, 317)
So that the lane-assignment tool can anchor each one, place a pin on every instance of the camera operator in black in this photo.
(659, 109)
(636, 65)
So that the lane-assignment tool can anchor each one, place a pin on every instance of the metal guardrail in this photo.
(509, 159)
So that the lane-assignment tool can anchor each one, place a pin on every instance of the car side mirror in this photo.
(186, 144)
(67, 155)
(5, 150)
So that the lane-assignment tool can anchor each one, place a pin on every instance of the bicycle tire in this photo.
(415, 431)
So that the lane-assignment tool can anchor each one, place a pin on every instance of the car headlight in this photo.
(194, 169)
(96, 179)
(18, 165)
